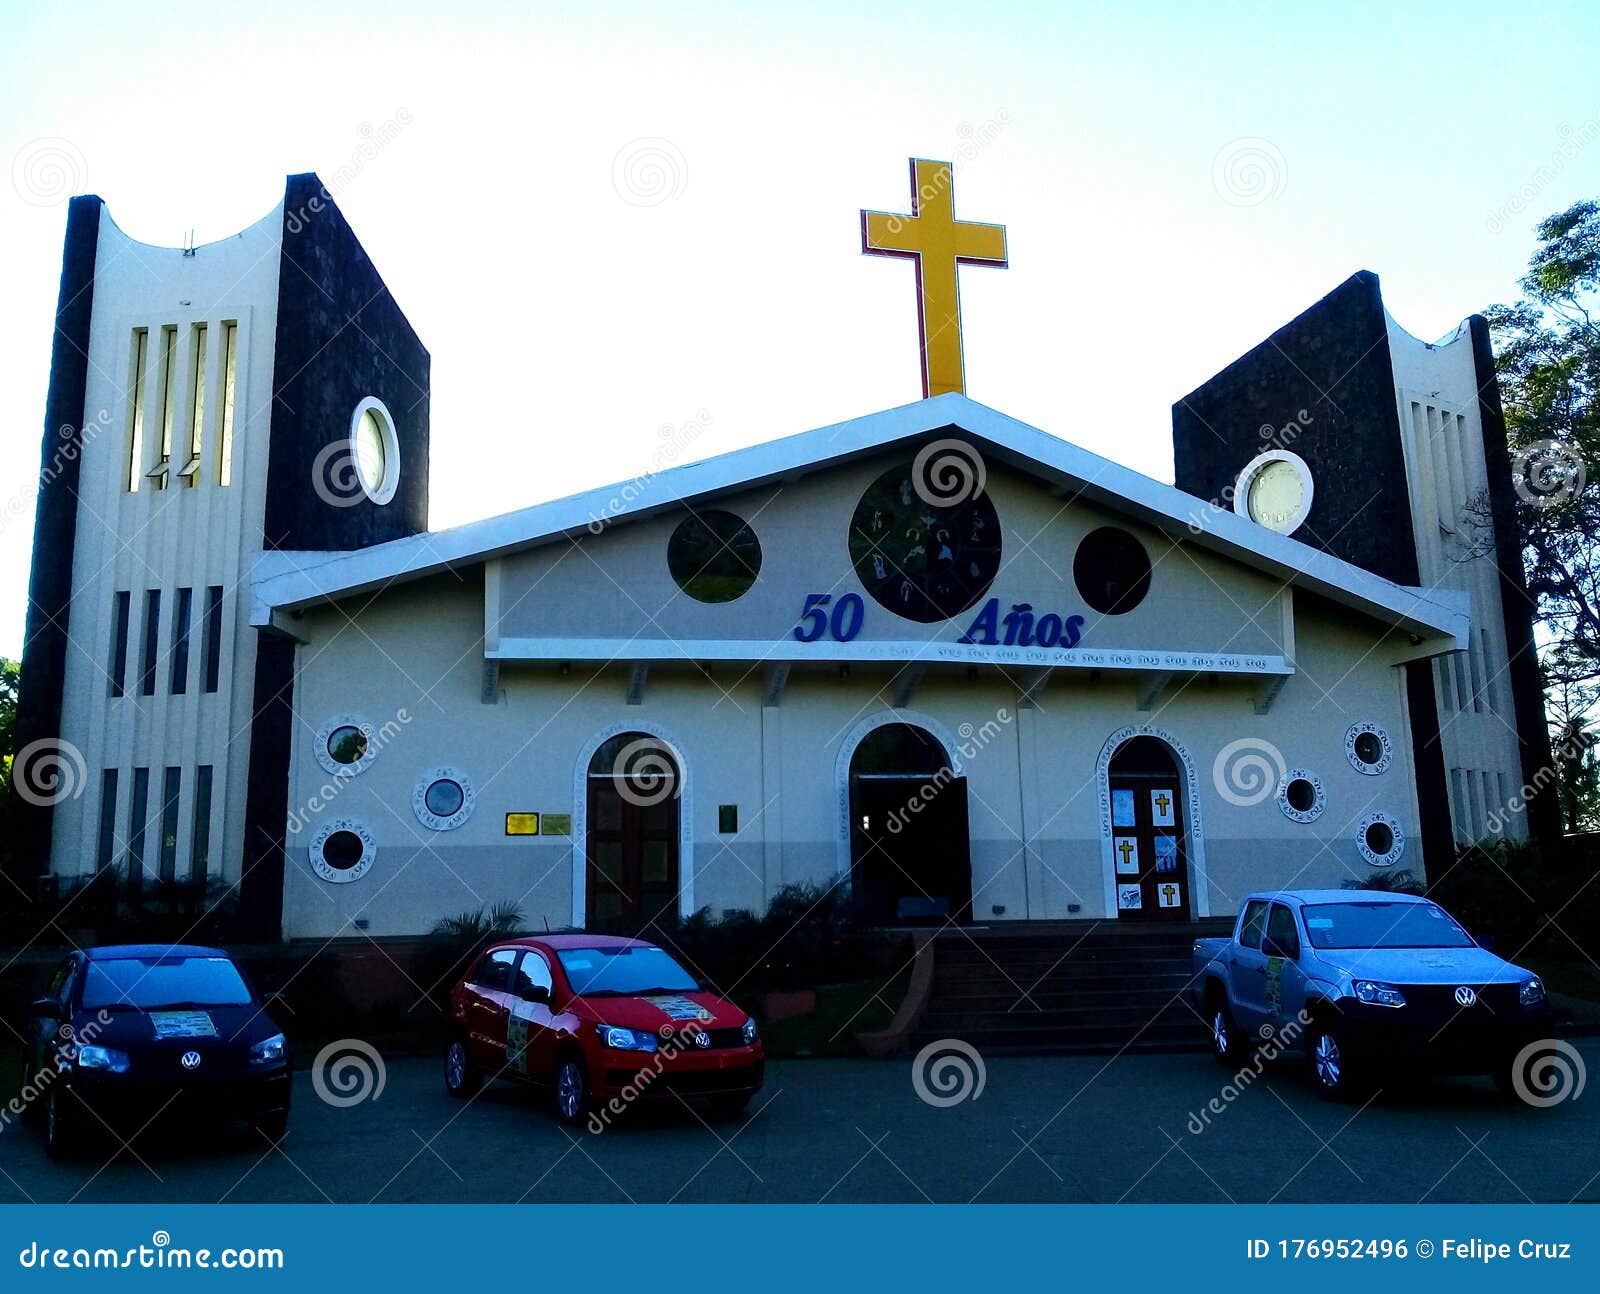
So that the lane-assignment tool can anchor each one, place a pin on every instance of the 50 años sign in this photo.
(842, 619)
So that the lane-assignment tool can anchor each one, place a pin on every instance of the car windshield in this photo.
(150, 983)
(624, 972)
(1383, 925)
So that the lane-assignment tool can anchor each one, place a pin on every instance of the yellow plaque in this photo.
(937, 243)
(522, 824)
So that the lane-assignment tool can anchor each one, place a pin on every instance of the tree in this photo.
(10, 678)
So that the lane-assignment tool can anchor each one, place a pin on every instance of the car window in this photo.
(58, 981)
(532, 972)
(151, 983)
(1280, 926)
(494, 971)
(1255, 916)
(1383, 924)
(630, 969)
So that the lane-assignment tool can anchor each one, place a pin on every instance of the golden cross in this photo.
(937, 242)
(1127, 849)
(1168, 890)
(1162, 802)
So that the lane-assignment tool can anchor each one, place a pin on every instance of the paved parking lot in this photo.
(1043, 1129)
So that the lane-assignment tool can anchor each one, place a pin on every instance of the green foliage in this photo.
(1530, 898)
(492, 921)
(1402, 882)
(107, 907)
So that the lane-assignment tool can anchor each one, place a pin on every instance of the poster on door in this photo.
(1126, 851)
(1169, 894)
(1129, 897)
(1163, 804)
(1166, 855)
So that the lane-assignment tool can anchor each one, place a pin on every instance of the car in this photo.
(129, 1033)
(600, 1022)
(1362, 981)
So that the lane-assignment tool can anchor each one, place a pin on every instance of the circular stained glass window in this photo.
(1368, 748)
(924, 547)
(443, 798)
(342, 851)
(714, 556)
(1379, 840)
(1300, 795)
(376, 449)
(347, 744)
(1111, 570)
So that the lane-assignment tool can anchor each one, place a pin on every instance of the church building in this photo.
(954, 662)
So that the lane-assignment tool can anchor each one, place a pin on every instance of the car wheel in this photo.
(61, 1136)
(1331, 1066)
(461, 1079)
(571, 1089)
(1224, 1033)
(274, 1127)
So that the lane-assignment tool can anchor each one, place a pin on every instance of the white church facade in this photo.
(952, 661)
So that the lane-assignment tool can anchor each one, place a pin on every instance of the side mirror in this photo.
(46, 1008)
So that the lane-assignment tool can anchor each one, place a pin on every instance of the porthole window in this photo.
(1274, 490)
(714, 556)
(375, 449)
(1300, 795)
(1112, 570)
(344, 745)
(1368, 748)
(443, 799)
(1380, 840)
(342, 851)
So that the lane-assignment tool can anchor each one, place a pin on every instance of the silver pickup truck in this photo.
(1359, 979)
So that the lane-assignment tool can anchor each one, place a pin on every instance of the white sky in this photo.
(569, 325)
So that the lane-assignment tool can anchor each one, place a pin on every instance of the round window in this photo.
(1300, 795)
(443, 798)
(343, 851)
(714, 556)
(375, 449)
(1380, 840)
(1274, 490)
(1111, 570)
(344, 745)
(1368, 748)
(925, 544)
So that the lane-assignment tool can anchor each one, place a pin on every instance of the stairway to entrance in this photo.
(1066, 986)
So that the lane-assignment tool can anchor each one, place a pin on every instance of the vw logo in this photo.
(191, 1059)
(1465, 996)
(702, 1038)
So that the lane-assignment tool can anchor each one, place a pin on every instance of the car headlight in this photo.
(750, 1033)
(614, 1035)
(1532, 992)
(269, 1051)
(107, 1059)
(1375, 994)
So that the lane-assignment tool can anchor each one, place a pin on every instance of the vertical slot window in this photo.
(140, 361)
(189, 473)
(213, 636)
(119, 643)
(200, 850)
(152, 630)
(1488, 671)
(106, 849)
(169, 374)
(171, 785)
(180, 641)
(138, 824)
(230, 348)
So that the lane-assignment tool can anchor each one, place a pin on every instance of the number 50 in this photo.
(843, 625)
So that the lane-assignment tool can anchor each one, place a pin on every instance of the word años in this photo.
(1021, 629)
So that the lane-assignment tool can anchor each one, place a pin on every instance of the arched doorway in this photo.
(910, 857)
(1149, 848)
(633, 797)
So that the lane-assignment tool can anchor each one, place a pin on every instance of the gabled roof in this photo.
(286, 581)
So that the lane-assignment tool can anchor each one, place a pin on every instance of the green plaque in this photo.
(555, 824)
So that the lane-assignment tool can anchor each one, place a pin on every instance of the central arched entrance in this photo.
(1149, 847)
(910, 857)
(633, 799)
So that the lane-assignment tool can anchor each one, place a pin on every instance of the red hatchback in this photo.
(602, 1022)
